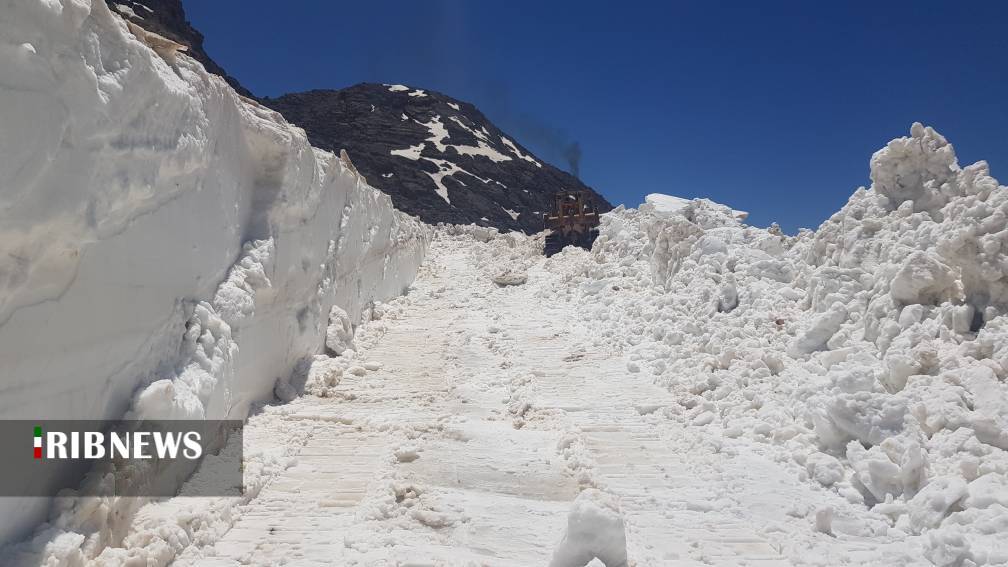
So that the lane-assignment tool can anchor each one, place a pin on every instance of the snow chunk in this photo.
(705, 418)
(235, 298)
(127, 11)
(988, 490)
(510, 277)
(947, 547)
(668, 204)
(914, 169)
(824, 469)
(397, 88)
(820, 331)
(865, 416)
(930, 506)
(923, 278)
(339, 333)
(595, 530)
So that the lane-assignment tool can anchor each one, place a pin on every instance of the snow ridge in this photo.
(869, 354)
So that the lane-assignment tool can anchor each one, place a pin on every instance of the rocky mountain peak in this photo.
(439, 158)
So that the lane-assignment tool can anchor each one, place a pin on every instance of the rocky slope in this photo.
(168, 18)
(438, 158)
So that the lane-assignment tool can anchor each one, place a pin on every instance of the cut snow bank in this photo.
(167, 248)
(870, 355)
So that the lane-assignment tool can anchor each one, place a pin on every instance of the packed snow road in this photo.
(466, 423)
(487, 411)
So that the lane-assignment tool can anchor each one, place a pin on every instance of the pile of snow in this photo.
(871, 354)
(169, 248)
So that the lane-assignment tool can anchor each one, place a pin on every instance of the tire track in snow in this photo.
(491, 410)
(670, 511)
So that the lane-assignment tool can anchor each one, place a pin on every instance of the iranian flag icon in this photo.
(38, 442)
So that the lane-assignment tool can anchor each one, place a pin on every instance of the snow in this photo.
(668, 204)
(127, 11)
(692, 390)
(858, 354)
(397, 88)
(439, 134)
(339, 332)
(165, 282)
(477, 133)
(447, 168)
(412, 152)
(417, 93)
(511, 145)
(595, 530)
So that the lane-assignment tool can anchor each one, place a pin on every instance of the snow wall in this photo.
(167, 248)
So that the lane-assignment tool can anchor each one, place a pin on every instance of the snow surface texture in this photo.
(841, 391)
(169, 249)
(691, 392)
(871, 354)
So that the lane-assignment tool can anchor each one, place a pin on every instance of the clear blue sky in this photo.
(771, 107)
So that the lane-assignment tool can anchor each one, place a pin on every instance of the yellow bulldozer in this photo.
(572, 221)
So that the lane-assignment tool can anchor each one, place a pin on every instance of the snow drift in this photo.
(167, 248)
(871, 354)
